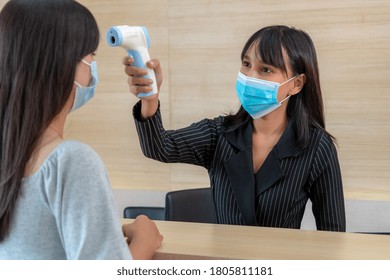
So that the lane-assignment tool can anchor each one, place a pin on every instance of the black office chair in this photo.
(192, 205)
(153, 213)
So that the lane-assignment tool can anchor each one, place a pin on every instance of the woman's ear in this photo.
(299, 82)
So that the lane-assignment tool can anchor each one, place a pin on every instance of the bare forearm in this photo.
(141, 251)
(148, 108)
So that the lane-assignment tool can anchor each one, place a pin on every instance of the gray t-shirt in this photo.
(66, 210)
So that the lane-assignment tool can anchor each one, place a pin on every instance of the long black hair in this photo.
(306, 108)
(41, 43)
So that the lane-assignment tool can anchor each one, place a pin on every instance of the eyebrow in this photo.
(258, 58)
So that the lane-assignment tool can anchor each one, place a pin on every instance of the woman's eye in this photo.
(265, 70)
(245, 64)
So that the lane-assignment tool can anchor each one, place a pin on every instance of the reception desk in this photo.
(209, 241)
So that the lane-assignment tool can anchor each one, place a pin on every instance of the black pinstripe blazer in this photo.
(273, 197)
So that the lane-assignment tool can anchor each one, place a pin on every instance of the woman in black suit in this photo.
(269, 158)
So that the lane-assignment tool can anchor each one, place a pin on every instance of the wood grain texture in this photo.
(210, 241)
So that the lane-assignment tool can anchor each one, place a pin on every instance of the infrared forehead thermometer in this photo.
(135, 39)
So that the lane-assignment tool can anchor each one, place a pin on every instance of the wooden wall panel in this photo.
(107, 124)
(199, 44)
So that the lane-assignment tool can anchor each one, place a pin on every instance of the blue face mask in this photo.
(258, 97)
(84, 94)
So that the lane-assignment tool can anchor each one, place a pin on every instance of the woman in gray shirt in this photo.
(55, 196)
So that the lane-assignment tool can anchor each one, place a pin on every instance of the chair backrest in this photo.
(153, 213)
(192, 205)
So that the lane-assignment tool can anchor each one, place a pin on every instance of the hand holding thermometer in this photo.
(135, 39)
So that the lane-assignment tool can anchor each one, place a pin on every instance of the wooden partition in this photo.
(199, 44)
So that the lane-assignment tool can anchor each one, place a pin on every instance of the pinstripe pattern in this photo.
(274, 197)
